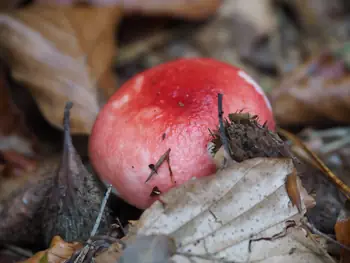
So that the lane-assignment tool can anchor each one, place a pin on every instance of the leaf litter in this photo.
(279, 235)
(54, 202)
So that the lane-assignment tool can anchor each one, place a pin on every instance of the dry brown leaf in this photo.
(14, 135)
(318, 91)
(58, 252)
(194, 9)
(293, 189)
(60, 54)
(6, 5)
(342, 231)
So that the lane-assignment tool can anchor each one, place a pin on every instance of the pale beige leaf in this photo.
(213, 219)
(60, 53)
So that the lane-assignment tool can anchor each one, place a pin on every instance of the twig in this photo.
(317, 232)
(223, 136)
(161, 160)
(121, 226)
(320, 165)
(336, 145)
(19, 251)
(102, 208)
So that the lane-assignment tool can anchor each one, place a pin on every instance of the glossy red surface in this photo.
(168, 106)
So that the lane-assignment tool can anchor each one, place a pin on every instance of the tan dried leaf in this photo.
(60, 54)
(240, 214)
(58, 252)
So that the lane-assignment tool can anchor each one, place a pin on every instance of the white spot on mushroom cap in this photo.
(117, 104)
(139, 83)
(256, 86)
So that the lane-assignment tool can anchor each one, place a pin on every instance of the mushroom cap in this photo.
(168, 106)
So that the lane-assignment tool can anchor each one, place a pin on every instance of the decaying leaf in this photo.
(342, 231)
(63, 60)
(14, 135)
(22, 196)
(75, 196)
(316, 92)
(240, 214)
(16, 171)
(58, 252)
(52, 200)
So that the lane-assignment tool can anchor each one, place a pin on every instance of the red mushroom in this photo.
(169, 106)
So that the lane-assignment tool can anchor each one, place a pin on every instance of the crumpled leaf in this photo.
(194, 9)
(240, 214)
(316, 92)
(63, 60)
(58, 252)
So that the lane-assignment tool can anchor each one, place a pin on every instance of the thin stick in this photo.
(86, 249)
(323, 168)
(223, 136)
(19, 251)
(102, 208)
(161, 160)
(314, 230)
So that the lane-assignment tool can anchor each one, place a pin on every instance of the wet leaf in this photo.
(194, 9)
(242, 213)
(74, 198)
(316, 92)
(63, 60)
(58, 252)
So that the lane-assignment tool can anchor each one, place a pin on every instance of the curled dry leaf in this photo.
(58, 252)
(63, 60)
(194, 9)
(240, 214)
(318, 91)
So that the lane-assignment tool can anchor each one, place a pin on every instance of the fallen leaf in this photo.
(252, 22)
(75, 196)
(194, 9)
(58, 252)
(240, 214)
(21, 197)
(293, 189)
(151, 248)
(316, 92)
(52, 200)
(14, 135)
(342, 231)
(109, 255)
(63, 60)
